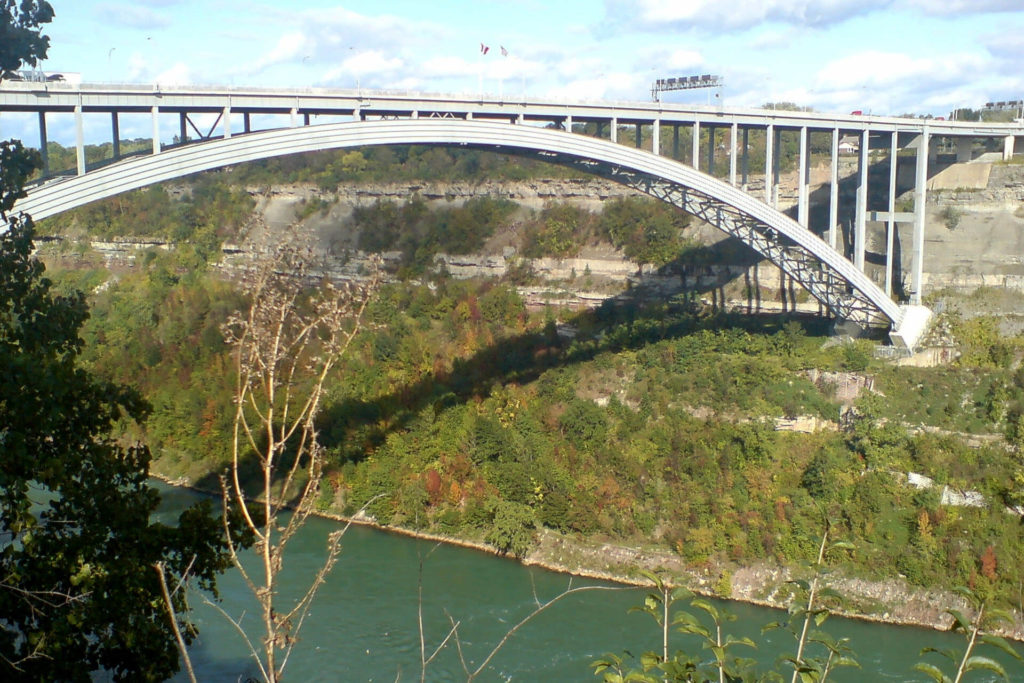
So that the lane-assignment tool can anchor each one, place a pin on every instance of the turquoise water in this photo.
(363, 625)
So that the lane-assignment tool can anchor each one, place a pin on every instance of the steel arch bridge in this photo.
(826, 274)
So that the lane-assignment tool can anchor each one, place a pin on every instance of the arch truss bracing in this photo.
(823, 282)
(828, 276)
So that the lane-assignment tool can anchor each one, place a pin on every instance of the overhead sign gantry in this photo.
(684, 83)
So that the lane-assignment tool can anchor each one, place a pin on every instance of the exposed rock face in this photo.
(975, 237)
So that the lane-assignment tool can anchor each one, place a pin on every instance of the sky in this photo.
(878, 56)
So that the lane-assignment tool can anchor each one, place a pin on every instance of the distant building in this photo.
(849, 144)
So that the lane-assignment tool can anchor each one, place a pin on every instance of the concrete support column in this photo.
(776, 167)
(732, 153)
(305, 118)
(568, 123)
(695, 145)
(656, 136)
(615, 130)
(79, 140)
(964, 147)
(861, 216)
(246, 123)
(294, 121)
(802, 208)
(675, 141)
(833, 191)
(746, 158)
(711, 150)
(156, 130)
(920, 197)
(226, 118)
(182, 127)
(639, 135)
(769, 162)
(43, 152)
(890, 232)
(1008, 143)
(115, 133)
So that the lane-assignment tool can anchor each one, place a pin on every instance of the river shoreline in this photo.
(763, 585)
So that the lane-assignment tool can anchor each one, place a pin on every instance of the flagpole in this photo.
(501, 73)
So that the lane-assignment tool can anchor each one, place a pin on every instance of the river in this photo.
(363, 625)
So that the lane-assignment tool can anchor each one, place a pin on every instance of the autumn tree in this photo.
(286, 344)
(78, 548)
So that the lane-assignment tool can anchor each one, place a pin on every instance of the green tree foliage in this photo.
(210, 212)
(79, 587)
(513, 528)
(420, 233)
(559, 231)
(79, 591)
(21, 40)
(647, 231)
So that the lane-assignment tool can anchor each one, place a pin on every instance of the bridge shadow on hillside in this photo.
(352, 428)
(685, 296)
(645, 314)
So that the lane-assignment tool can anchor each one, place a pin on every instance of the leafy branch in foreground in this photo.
(722, 666)
(808, 669)
(986, 618)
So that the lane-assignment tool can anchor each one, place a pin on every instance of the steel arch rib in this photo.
(57, 196)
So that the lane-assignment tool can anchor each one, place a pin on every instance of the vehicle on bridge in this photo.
(37, 76)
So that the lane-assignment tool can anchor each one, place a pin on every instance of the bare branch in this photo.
(286, 346)
(161, 569)
(529, 617)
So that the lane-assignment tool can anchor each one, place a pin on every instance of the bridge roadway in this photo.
(827, 275)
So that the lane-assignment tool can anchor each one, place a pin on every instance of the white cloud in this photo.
(329, 36)
(955, 7)
(138, 68)
(179, 74)
(611, 86)
(893, 83)
(447, 67)
(370, 66)
(131, 16)
(892, 69)
(290, 46)
(769, 39)
(738, 14)
(681, 60)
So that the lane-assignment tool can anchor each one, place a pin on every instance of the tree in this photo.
(78, 590)
(285, 347)
(21, 41)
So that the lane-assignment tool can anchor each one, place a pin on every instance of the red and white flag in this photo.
(484, 49)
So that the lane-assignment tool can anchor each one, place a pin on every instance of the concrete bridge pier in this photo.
(860, 216)
(746, 157)
(79, 139)
(920, 197)
(42, 143)
(156, 129)
(833, 195)
(803, 182)
(733, 130)
(115, 129)
(890, 226)
(695, 145)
